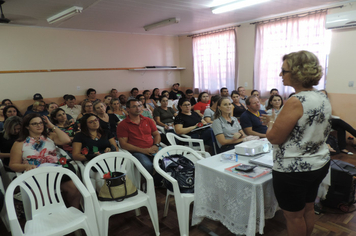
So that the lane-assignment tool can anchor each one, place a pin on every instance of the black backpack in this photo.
(182, 169)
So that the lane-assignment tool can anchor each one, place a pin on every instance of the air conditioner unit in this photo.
(341, 20)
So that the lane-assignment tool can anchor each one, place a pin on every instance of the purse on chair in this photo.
(117, 188)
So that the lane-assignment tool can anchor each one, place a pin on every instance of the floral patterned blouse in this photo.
(305, 148)
(37, 153)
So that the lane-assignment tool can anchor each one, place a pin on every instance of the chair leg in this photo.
(104, 227)
(166, 205)
(183, 218)
(154, 218)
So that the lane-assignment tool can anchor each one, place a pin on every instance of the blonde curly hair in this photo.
(305, 68)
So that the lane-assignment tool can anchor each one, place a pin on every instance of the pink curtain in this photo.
(214, 61)
(275, 39)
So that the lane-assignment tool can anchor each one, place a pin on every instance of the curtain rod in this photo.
(296, 15)
(213, 31)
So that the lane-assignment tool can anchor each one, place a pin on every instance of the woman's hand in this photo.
(30, 167)
(48, 124)
(107, 150)
(237, 135)
(265, 119)
(251, 137)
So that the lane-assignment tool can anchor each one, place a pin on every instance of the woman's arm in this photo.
(208, 120)
(77, 152)
(158, 121)
(16, 159)
(113, 142)
(198, 111)
(178, 128)
(58, 136)
(280, 128)
(223, 141)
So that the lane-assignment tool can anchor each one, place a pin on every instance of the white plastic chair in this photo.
(200, 149)
(49, 214)
(183, 200)
(7, 176)
(122, 162)
(3, 212)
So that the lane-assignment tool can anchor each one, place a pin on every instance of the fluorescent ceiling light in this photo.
(236, 5)
(70, 12)
(161, 24)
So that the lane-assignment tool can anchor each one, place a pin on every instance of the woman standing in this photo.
(202, 104)
(239, 108)
(227, 128)
(92, 140)
(107, 121)
(298, 134)
(117, 109)
(36, 146)
(275, 102)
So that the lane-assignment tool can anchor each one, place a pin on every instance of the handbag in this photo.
(117, 188)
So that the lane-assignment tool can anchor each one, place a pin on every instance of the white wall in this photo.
(30, 48)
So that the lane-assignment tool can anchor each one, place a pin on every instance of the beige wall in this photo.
(30, 48)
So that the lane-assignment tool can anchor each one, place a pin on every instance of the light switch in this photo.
(351, 84)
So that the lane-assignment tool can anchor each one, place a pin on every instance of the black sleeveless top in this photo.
(238, 110)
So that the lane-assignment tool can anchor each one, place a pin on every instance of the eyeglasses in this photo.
(93, 121)
(186, 105)
(37, 124)
(88, 105)
(134, 107)
(285, 71)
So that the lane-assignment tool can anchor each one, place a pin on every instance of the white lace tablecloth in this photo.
(242, 205)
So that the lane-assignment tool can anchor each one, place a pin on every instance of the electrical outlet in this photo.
(78, 88)
(351, 84)
(245, 84)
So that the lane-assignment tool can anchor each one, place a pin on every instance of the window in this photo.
(214, 61)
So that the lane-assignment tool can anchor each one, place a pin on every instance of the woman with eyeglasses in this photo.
(8, 136)
(187, 120)
(226, 127)
(146, 112)
(37, 146)
(87, 108)
(107, 121)
(92, 140)
(38, 107)
(301, 158)
(275, 102)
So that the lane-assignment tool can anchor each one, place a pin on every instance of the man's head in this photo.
(274, 91)
(224, 92)
(70, 101)
(37, 97)
(175, 86)
(91, 93)
(253, 103)
(133, 107)
(122, 99)
(241, 91)
(114, 93)
(188, 93)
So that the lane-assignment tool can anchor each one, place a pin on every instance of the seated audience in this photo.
(202, 104)
(238, 107)
(165, 93)
(256, 93)
(87, 108)
(36, 146)
(164, 115)
(36, 97)
(187, 120)
(2, 117)
(114, 93)
(133, 94)
(175, 93)
(139, 135)
(59, 119)
(155, 96)
(250, 119)
(209, 112)
(117, 109)
(226, 128)
(6, 102)
(273, 91)
(123, 100)
(150, 104)
(92, 140)
(11, 110)
(190, 97)
(275, 102)
(8, 136)
(107, 100)
(91, 95)
(145, 111)
(38, 107)
(224, 93)
(107, 121)
(70, 107)
(241, 90)
(51, 107)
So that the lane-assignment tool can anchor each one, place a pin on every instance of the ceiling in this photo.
(130, 16)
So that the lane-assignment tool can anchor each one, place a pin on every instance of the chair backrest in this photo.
(215, 143)
(42, 186)
(191, 141)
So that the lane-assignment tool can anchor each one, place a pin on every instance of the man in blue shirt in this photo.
(250, 119)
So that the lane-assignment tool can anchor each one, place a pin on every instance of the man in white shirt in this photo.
(241, 90)
(71, 108)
